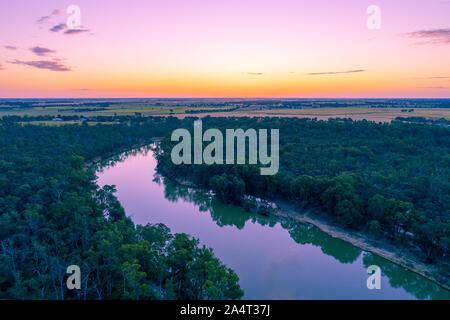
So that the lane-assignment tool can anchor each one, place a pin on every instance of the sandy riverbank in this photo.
(358, 239)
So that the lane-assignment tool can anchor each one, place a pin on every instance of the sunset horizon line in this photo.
(242, 98)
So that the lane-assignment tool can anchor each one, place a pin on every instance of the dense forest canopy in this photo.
(52, 215)
(389, 180)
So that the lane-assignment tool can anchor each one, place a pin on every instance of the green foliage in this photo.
(388, 179)
(52, 215)
(228, 188)
(392, 180)
(374, 228)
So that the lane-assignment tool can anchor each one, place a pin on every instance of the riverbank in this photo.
(364, 242)
(379, 247)
(287, 211)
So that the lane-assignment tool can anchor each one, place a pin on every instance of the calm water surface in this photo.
(273, 259)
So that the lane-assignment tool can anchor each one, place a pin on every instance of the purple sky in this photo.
(145, 48)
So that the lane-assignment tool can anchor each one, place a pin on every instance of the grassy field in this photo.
(121, 109)
(375, 114)
(370, 114)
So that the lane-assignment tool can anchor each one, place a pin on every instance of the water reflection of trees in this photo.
(226, 215)
(302, 233)
(410, 281)
(222, 215)
(110, 162)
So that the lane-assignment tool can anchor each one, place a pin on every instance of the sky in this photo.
(218, 48)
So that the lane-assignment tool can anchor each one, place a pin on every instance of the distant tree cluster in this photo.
(438, 122)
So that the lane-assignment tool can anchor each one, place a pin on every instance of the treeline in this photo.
(52, 215)
(82, 109)
(389, 180)
(423, 120)
(210, 110)
(10, 119)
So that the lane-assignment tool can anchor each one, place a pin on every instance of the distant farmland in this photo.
(378, 110)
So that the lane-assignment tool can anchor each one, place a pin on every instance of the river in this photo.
(274, 259)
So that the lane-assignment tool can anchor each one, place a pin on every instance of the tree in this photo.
(228, 188)
(374, 228)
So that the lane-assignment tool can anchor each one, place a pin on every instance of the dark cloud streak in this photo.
(42, 19)
(432, 36)
(334, 72)
(438, 78)
(75, 31)
(42, 52)
(42, 64)
(58, 27)
(63, 26)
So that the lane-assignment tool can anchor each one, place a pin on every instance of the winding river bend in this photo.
(274, 259)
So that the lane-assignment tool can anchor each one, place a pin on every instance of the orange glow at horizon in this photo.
(261, 48)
